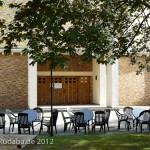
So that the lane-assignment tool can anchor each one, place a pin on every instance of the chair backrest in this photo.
(70, 111)
(79, 118)
(99, 117)
(63, 116)
(10, 115)
(55, 116)
(145, 115)
(23, 119)
(2, 120)
(39, 112)
(107, 113)
(118, 114)
(128, 111)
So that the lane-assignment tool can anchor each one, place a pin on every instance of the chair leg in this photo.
(55, 129)
(9, 127)
(94, 128)
(118, 124)
(75, 128)
(4, 130)
(65, 127)
(107, 126)
(49, 130)
(12, 127)
(19, 130)
(85, 129)
(141, 127)
(128, 125)
(40, 129)
(29, 129)
(33, 129)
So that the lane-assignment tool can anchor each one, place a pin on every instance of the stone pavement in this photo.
(113, 121)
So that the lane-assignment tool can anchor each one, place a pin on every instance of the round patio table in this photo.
(137, 111)
(32, 114)
(88, 114)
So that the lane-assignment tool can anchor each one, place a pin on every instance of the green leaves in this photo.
(102, 29)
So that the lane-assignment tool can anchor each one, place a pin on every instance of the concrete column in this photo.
(99, 84)
(103, 85)
(32, 85)
(112, 85)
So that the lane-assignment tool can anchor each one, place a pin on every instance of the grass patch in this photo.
(96, 142)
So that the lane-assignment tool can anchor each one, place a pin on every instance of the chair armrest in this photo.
(67, 117)
(45, 118)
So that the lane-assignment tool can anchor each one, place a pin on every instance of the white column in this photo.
(99, 84)
(103, 85)
(32, 85)
(112, 85)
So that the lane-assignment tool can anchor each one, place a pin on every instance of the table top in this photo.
(32, 114)
(88, 114)
(137, 111)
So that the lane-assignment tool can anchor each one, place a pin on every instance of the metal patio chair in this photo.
(13, 119)
(122, 118)
(129, 112)
(144, 118)
(79, 122)
(99, 120)
(2, 122)
(46, 121)
(23, 123)
(67, 120)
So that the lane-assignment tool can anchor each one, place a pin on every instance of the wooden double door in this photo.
(66, 90)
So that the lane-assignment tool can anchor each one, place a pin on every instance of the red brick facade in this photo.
(134, 90)
(13, 81)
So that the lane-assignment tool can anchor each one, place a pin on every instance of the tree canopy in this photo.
(1, 20)
(104, 30)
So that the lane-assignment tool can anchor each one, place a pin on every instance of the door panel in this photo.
(57, 90)
(43, 90)
(84, 90)
(70, 90)
(66, 90)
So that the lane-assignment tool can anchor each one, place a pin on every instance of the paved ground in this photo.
(112, 123)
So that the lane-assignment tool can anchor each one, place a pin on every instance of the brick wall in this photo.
(133, 89)
(13, 81)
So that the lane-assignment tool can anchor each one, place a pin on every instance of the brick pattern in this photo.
(134, 90)
(13, 81)
(74, 64)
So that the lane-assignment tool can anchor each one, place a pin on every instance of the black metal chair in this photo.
(67, 120)
(13, 119)
(2, 122)
(121, 118)
(23, 123)
(46, 121)
(99, 120)
(107, 116)
(144, 118)
(129, 112)
(40, 114)
(79, 122)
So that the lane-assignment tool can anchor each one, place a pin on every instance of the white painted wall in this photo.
(32, 85)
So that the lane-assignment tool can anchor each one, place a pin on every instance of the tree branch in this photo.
(136, 33)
